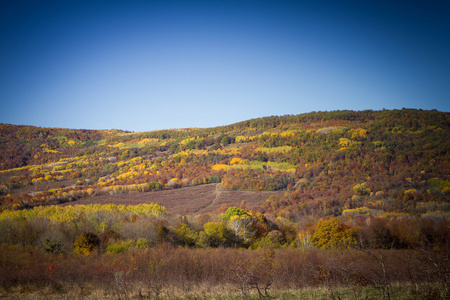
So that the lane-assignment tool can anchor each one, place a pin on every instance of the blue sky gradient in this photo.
(147, 65)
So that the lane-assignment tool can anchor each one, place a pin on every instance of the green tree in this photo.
(234, 211)
(273, 239)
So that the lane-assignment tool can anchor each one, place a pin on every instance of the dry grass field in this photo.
(184, 201)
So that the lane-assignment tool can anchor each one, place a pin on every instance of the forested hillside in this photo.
(391, 161)
(359, 182)
(388, 166)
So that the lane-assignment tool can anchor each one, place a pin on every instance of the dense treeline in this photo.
(17, 141)
(119, 228)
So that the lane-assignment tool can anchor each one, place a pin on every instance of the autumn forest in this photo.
(327, 205)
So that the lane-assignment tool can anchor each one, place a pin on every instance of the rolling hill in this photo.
(321, 163)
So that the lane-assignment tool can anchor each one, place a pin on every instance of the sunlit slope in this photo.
(332, 162)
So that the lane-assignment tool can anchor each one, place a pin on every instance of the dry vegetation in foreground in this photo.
(185, 201)
(167, 272)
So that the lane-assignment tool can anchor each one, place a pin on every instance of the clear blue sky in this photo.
(147, 65)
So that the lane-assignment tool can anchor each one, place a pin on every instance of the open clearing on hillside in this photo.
(184, 201)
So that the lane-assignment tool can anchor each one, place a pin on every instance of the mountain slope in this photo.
(325, 162)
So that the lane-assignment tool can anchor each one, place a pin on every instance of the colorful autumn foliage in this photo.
(359, 183)
(354, 165)
(333, 233)
(331, 150)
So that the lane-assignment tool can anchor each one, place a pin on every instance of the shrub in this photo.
(120, 247)
(52, 246)
(107, 237)
(86, 243)
(361, 189)
(142, 243)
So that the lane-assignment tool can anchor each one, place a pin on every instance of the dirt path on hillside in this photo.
(214, 201)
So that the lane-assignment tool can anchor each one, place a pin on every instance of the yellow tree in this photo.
(217, 233)
(333, 233)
